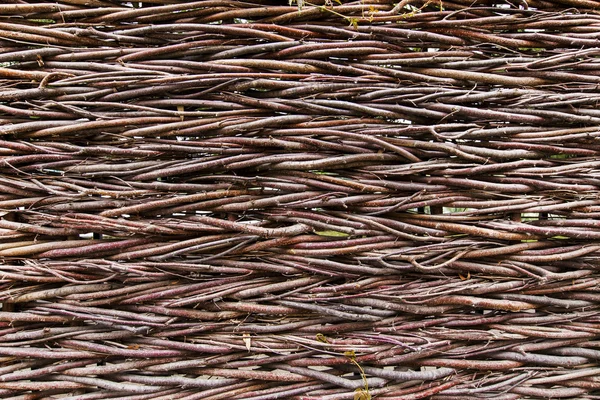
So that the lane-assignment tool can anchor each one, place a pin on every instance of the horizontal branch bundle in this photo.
(339, 200)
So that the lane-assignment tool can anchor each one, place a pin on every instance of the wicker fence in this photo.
(256, 200)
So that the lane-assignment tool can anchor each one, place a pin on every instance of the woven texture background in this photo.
(255, 200)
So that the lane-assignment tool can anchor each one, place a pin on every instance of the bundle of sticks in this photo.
(334, 200)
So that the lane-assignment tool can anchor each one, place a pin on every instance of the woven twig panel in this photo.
(256, 200)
